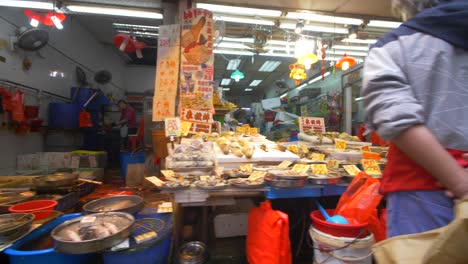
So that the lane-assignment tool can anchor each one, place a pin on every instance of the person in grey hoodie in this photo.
(415, 94)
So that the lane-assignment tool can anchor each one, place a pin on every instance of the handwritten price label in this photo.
(365, 148)
(340, 144)
(284, 164)
(370, 155)
(333, 164)
(371, 167)
(155, 180)
(317, 156)
(300, 168)
(256, 175)
(352, 170)
(169, 174)
(319, 169)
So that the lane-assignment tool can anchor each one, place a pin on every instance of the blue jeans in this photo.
(417, 212)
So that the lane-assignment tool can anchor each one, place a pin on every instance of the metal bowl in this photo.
(194, 252)
(323, 180)
(119, 203)
(278, 183)
(286, 175)
(13, 226)
(123, 221)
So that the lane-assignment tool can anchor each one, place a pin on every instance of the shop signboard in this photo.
(311, 124)
(167, 72)
(196, 78)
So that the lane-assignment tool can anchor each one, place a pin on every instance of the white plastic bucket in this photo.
(330, 249)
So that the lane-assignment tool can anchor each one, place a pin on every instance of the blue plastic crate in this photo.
(130, 158)
(307, 191)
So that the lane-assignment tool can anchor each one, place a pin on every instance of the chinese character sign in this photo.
(371, 167)
(172, 126)
(196, 78)
(311, 124)
(167, 72)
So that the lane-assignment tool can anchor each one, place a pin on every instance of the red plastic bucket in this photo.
(338, 230)
(40, 208)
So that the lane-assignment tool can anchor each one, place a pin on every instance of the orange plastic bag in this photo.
(360, 199)
(268, 236)
(17, 107)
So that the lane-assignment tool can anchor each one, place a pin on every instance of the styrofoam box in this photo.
(231, 225)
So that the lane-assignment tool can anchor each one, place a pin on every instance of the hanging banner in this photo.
(167, 72)
(196, 69)
(311, 124)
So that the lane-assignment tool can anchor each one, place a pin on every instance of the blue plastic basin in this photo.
(46, 256)
(130, 158)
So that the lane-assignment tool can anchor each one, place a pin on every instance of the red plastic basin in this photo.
(338, 230)
(40, 208)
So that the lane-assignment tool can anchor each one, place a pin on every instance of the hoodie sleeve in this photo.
(389, 101)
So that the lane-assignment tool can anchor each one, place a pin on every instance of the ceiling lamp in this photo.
(127, 44)
(50, 19)
(298, 72)
(307, 60)
(27, 4)
(237, 75)
(114, 11)
(346, 62)
(299, 27)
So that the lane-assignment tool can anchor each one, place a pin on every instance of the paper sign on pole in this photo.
(311, 124)
(172, 127)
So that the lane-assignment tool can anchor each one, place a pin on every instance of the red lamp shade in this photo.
(346, 62)
(127, 44)
(32, 15)
(47, 20)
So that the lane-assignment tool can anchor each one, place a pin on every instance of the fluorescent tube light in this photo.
(383, 24)
(280, 42)
(247, 40)
(225, 81)
(233, 64)
(135, 26)
(233, 52)
(269, 66)
(360, 41)
(357, 99)
(318, 78)
(248, 89)
(114, 11)
(283, 95)
(323, 18)
(357, 48)
(302, 86)
(272, 54)
(337, 30)
(255, 83)
(351, 53)
(231, 45)
(226, 89)
(243, 20)
(240, 10)
(27, 4)
(139, 33)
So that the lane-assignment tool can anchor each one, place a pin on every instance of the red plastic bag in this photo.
(6, 103)
(268, 236)
(377, 225)
(17, 107)
(85, 119)
(360, 199)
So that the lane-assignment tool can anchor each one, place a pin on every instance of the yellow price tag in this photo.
(304, 149)
(335, 164)
(371, 167)
(293, 148)
(284, 164)
(340, 144)
(246, 167)
(185, 127)
(317, 156)
(257, 175)
(319, 169)
(155, 180)
(240, 129)
(365, 148)
(370, 155)
(300, 168)
(352, 170)
(253, 131)
(169, 174)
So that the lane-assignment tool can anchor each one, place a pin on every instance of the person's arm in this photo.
(421, 146)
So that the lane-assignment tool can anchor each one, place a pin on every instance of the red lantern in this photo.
(127, 44)
(46, 19)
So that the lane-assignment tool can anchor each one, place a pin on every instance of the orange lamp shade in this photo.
(346, 62)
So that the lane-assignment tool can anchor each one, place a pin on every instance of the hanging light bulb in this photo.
(237, 76)
(34, 22)
(307, 60)
(299, 27)
(346, 62)
(57, 22)
(345, 66)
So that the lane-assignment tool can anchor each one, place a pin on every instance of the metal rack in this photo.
(14, 85)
